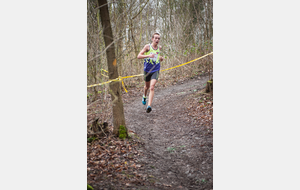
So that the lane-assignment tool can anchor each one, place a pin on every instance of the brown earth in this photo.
(172, 145)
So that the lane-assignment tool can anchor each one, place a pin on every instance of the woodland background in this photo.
(186, 29)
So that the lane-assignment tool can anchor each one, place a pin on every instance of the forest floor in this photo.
(169, 148)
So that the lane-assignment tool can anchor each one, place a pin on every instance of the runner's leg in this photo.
(146, 87)
(151, 95)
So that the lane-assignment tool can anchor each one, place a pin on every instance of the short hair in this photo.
(154, 34)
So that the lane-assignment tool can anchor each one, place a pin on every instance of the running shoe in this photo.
(148, 109)
(144, 100)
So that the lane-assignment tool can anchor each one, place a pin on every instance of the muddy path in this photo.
(177, 151)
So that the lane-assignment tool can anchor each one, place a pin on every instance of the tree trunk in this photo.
(116, 95)
(209, 86)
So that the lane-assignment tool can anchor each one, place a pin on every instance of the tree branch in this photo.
(104, 49)
(140, 10)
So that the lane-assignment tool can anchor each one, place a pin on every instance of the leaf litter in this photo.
(118, 164)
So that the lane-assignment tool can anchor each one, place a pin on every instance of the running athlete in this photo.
(150, 54)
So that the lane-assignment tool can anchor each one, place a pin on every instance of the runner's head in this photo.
(155, 38)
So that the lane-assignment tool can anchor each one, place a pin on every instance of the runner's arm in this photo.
(161, 58)
(144, 50)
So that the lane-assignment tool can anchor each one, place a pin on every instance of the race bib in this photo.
(155, 57)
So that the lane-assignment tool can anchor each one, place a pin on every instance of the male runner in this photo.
(150, 54)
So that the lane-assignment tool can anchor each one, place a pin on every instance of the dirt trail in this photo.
(178, 154)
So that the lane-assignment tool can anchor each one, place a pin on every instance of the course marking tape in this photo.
(121, 78)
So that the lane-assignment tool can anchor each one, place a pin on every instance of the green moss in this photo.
(122, 132)
(89, 187)
(91, 139)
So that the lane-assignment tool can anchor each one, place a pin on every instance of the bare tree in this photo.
(117, 106)
(186, 29)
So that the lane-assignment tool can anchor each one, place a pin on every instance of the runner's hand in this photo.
(161, 58)
(151, 56)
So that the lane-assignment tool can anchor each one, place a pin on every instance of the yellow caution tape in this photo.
(124, 86)
(121, 78)
(187, 62)
(104, 74)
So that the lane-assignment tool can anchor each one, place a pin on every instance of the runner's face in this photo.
(156, 39)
